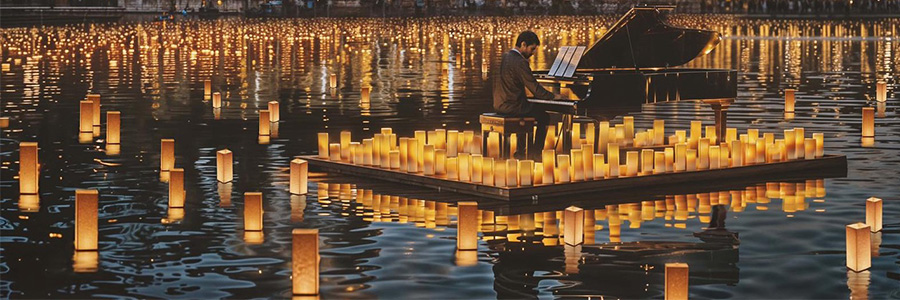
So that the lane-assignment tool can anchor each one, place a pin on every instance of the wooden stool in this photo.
(505, 126)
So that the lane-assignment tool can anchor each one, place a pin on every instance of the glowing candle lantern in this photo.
(590, 135)
(440, 162)
(224, 165)
(820, 144)
(730, 134)
(86, 210)
(696, 134)
(680, 136)
(512, 172)
(714, 157)
(217, 100)
(760, 152)
(612, 154)
(749, 153)
(680, 157)
(412, 164)
(85, 261)
(487, 170)
(703, 154)
(576, 136)
(345, 145)
(790, 144)
(874, 213)
(95, 110)
(441, 139)
(500, 173)
(859, 247)
(176, 188)
(404, 154)
(465, 167)
(386, 151)
(789, 100)
(113, 124)
(356, 152)
(467, 226)
(29, 172)
(711, 134)
(799, 137)
(87, 117)
(493, 144)
(428, 168)
(628, 122)
(420, 149)
(602, 137)
(467, 137)
(659, 131)
(577, 165)
(588, 161)
(538, 173)
(394, 159)
(264, 123)
(477, 163)
(274, 111)
(632, 159)
(868, 122)
(167, 155)
(548, 158)
(690, 160)
(810, 148)
(659, 162)
(334, 150)
(453, 168)
(332, 80)
(670, 158)
(881, 91)
(563, 167)
(676, 281)
(253, 211)
(299, 176)
(4, 122)
(305, 261)
(452, 143)
(600, 167)
(573, 222)
(207, 87)
(780, 153)
(323, 145)
(526, 172)
(737, 154)
(366, 153)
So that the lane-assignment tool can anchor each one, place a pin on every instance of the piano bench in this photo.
(505, 126)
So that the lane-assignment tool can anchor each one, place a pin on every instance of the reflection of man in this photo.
(510, 83)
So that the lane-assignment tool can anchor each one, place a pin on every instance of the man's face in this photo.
(527, 51)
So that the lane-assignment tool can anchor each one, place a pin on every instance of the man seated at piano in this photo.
(510, 82)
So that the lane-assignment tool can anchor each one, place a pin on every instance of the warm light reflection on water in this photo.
(422, 74)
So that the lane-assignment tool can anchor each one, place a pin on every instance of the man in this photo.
(510, 83)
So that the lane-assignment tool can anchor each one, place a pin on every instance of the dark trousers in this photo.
(542, 118)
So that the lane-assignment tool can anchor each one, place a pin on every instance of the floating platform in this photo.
(830, 164)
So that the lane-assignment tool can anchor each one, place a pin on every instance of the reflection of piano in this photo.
(632, 64)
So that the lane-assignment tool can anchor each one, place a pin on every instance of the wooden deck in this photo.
(830, 164)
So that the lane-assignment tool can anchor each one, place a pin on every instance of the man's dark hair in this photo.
(529, 37)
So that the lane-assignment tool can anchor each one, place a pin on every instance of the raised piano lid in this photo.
(643, 39)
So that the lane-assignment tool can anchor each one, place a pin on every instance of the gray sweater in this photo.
(510, 83)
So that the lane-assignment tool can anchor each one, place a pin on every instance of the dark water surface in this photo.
(424, 74)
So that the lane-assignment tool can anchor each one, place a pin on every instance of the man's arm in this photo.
(531, 83)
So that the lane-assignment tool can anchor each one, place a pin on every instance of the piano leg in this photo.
(720, 106)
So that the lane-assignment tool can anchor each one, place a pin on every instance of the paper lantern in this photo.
(113, 123)
(881, 91)
(394, 159)
(274, 111)
(789, 100)
(386, 151)
(345, 145)
(632, 163)
(453, 168)
(548, 158)
(612, 157)
(428, 166)
(677, 281)
(646, 161)
(467, 136)
(603, 137)
(703, 154)
(305, 261)
(538, 173)
(799, 138)
(404, 154)
(87, 116)
(563, 168)
(217, 100)
(670, 158)
(576, 135)
(714, 159)
(790, 144)
(440, 162)
(487, 170)
(760, 152)
(365, 94)
(4, 122)
(749, 153)
(452, 143)
(29, 168)
(512, 172)
(224, 165)
(659, 162)
(780, 150)
(440, 141)
(477, 163)
(526, 171)
(377, 140)
(253, 211)
(264, 123)
(334, 151)
(810, 148)
(587, 159)
(85, 261)
(868, 122)
(413, 155)
(659, 131)
(207, 87)
(680, 157)
(628, 122)
(859, 247)
(299, 176)
(690, 160)
(500, 173)
(696, 134)
(820, 144)
(323, 145)
(873, 214)
(590, 135)
(737, 154)
(95, 110)
(176, 188)
(493, 144)
(467, 226)
(332, 80)
(711, 134)
(577, 165)
(366, 152)
(573, 220)
(465, 167)
(167, 154)
(600, 167)
(86, 209)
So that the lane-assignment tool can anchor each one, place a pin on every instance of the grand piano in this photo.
(636, 62)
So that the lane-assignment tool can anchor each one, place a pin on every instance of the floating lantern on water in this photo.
(253, 211)
(404, 154)
(167, 155)
(274, 111)
(113, 123)
(364, 93)
(29, 168)
(176, 188)
(789, 100)
(526, 171)
(573, 220)
(332, 80)
(868, 122)
(467, 226)
(85, 261)
(305, 261)
(217, 100)
(874, 213)
(881, 91)
(299, 176)
(4, 122)
(95, 110)
(207, 87)
(264, 123)
(677, 281)
(86, 210)
(859, 255)
(224, 165)
(87, 117)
